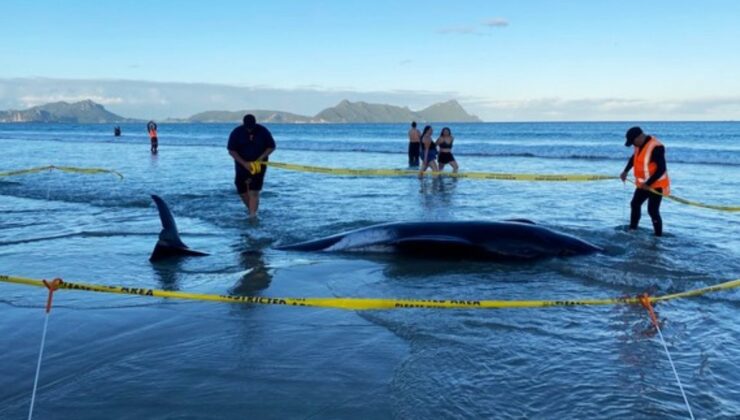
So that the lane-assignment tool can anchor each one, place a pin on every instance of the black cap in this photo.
(249, 121)
(631, 135)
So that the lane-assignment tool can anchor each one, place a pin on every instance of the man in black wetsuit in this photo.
(250, 144)
(650, 170)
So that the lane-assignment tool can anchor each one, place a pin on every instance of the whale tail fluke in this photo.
(169, 243)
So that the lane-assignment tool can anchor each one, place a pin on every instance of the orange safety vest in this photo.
(644, 168)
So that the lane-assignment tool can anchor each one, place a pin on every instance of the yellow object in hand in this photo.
(255, 168)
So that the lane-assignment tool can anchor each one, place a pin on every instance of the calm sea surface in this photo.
(113, 356)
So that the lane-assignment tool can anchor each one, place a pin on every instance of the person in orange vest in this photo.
(152, 129)
(648, 162)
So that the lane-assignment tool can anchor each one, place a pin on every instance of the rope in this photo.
(624, 199)
(54, 285)
(66, 169)
(689, 202)
(38, 366)
(360, 304)
(471, 175)
(645, 300)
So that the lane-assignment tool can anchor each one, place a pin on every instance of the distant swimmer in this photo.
(117, 131)
(429, 154)
(151, 127)
(250, 144)
(648, 161)
(444, 142)
(414, 145)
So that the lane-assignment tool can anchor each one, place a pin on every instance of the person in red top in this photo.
(151, 127)
(648, 161)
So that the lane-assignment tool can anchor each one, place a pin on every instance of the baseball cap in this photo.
(631, 135)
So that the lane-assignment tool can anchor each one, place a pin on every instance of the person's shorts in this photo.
(154, 141)
(445, 157)
(432, 155)
(250, 182)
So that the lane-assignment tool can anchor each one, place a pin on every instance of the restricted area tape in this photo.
(407, 172)
(689, 202)
(698, 204)
(67, 169)
(359, 304)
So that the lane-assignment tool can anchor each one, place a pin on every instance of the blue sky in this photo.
(504, 60)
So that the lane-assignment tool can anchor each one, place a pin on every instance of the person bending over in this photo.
(648, 162)
(250, 144)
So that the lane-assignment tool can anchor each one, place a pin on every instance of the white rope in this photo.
(683, 393)
(38, 366)
(624, 200)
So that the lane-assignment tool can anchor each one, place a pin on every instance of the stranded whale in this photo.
(517, 239)
(512, 239)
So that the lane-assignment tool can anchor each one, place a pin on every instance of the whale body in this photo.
(504, 240)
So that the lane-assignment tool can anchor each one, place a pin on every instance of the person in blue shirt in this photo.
(250, 144)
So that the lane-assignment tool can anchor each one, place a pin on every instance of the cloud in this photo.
(459, 30)
(496, 23)
(606, 109)
(33, 100)
(473, 29)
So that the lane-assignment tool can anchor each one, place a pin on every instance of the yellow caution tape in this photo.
(481, 175)
(691, 203)
(359, 304)
(407, 172)
(698, 204)
(67, 169)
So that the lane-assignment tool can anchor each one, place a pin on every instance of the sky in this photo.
(518, 60)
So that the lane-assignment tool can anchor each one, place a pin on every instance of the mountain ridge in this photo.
(345, 112)
(82, 112)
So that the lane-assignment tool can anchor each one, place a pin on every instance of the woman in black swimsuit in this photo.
(429, 153)
(445, 150)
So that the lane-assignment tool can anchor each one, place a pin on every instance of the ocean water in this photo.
(112, 356)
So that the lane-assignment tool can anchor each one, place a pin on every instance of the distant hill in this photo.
(349, 112)
(83, 112)
(450, 111)
(363, 112)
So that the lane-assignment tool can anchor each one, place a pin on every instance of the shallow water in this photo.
(128, 357)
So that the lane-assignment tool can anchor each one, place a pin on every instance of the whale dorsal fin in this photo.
(169, 243)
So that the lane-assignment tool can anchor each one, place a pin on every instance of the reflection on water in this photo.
(437, 194)
(252, 259)
(258, 276)
(167, 272)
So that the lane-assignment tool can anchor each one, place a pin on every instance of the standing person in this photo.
(445, 150)
(151, 127)
(117, 131)
(250, 144)
(414, 145)
(648, 161)
(430, 152)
